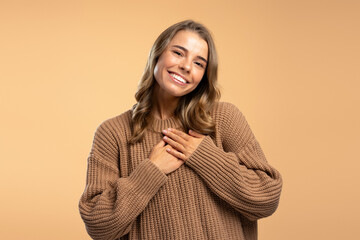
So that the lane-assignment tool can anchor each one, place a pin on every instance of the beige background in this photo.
(292, 67)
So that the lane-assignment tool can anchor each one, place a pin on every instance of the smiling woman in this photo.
(179, 164)
(181, 66)
(185, 48)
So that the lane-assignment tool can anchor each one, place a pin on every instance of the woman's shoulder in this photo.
(119, 123)
(223, 110)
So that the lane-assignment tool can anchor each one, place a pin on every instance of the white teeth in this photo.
(177, 77)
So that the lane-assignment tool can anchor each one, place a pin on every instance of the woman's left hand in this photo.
(183, 144)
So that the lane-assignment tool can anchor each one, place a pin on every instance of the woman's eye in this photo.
(199, 64)
(177, 53)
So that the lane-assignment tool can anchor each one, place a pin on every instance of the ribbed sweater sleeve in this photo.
(110, 204)
(238, 172)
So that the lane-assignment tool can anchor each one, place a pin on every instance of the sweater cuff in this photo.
(206, 156)
(146, 179)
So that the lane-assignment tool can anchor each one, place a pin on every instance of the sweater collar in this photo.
(160, 124)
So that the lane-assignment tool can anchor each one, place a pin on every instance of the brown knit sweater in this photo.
(219, 193)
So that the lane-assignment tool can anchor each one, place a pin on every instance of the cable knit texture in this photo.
(219, 193)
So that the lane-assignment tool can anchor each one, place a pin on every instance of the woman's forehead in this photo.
(191, 41)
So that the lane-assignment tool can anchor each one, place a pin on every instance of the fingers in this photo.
(176, 154)
(169, 149)
(182, 145)
(176, 134)
(174, 144)
(195, 134)
(160, 144)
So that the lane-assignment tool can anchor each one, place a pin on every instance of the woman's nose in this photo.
(186, 65)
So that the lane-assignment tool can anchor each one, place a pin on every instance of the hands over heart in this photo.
(182, 144)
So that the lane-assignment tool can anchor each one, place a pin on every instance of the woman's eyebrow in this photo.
(185, 50)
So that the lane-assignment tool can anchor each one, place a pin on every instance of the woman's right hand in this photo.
(166, 162)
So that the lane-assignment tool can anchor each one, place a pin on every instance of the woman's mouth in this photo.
(178, 79)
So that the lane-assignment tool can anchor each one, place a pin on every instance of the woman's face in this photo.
(182, 65)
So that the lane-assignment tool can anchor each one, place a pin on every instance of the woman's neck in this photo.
(163, 104)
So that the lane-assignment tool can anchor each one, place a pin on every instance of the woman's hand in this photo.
(165, 161)
(183, 145)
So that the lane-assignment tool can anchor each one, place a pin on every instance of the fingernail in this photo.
(164, 131)
(165, 138)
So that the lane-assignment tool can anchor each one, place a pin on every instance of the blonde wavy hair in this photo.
(193, 110)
